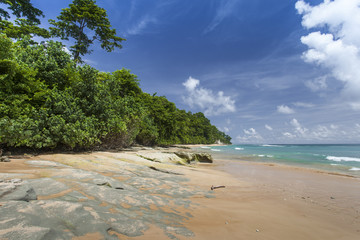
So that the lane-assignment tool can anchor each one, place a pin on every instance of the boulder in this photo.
(16, 190)
(204, 157)
(4, 159)
(186, 156)
(190, 157)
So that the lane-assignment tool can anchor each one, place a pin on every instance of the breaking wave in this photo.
(345, 159)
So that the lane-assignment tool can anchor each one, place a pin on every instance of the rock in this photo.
(186, 156)
(4, 159)
(47, 186)
(204, 157)
(164, 171)
(16, 180)
(17, 190)
(162, 157)
(195, 157)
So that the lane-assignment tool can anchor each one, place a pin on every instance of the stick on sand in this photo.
(213, 188)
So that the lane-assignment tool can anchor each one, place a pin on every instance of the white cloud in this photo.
(285, 109)
(211, 103)
(289, 135)
(304, 105)
(300, 130)
(268, 127)
(191, 84)
(225, 9)
(317, 84)
(319, 133)
(65, 49)
(250, 135)
(337, 49)
(251, 131)
(141, 25)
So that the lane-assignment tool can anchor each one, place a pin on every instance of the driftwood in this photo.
(215, 187)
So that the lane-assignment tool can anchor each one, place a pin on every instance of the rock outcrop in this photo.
(4, 159)
(96, 196)
(195, 157)
(16, 190)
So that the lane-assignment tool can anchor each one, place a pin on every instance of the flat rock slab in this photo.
(96, 195)
(9, 175)
(17, 190)
(48, 220)
(162, 157)
(47, 186)
(46, 163)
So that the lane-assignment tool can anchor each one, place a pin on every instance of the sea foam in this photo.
(345, 159)
(354, 169)
(216, 150)
(271, 145)
(239, 148)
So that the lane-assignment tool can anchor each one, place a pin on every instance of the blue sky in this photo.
(263, 71)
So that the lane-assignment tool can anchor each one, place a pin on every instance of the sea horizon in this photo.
(335, 158)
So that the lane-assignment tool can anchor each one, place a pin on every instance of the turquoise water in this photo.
(344, 159)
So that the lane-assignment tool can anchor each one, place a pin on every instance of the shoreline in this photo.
(259, 201)
(247, 159)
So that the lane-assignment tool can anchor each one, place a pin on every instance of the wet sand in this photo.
(275, 202)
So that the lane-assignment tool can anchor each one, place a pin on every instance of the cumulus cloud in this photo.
(337, 48)
(285, 109)
(191, 84)
(300, 130)
(319, 133)
(250, 135)
(289, 135)
(205, 99)
(268, 127)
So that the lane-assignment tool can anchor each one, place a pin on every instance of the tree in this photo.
(23, 27)
(27, 20)
(21, 8)
(80, 16)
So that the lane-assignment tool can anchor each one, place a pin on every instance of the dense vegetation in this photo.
(48, 100)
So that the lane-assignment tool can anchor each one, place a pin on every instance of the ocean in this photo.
(343, 159)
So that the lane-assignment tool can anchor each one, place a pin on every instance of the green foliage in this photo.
(47, 101)
(54, 66)
(23, 27)
(76, 21)
(27, 20)
(176, 126)
(21, 8)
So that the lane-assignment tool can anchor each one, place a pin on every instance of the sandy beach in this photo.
(258, 201)
(276, 202)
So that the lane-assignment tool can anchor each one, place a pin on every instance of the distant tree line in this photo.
(48, 100)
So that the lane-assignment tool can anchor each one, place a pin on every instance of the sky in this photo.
(263, 71)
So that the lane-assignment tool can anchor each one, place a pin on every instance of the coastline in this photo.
(259, 201)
